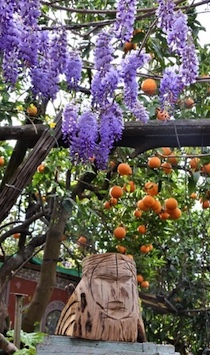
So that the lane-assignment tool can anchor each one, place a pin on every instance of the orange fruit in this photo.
(2, 161)
(32, 110)
(139, 279)
(149, 86)
(145, 284)
(129, 187)
(189, 103)
(171, 203)
(150, 246)
(113, 201)
(165, 151)
(41, 168)
(16, 235)
(124, 169)
(194, 163)
(149, 201)
(157, 206)
(151, 188)
(128, 46)
(121, 249)
(137, 213)
(172, 159)
(193, 195)
(119, 232)
(82, 240)
(154, 162)
(206, 168)
(167, 167)
(116, 191)
(175, 213)
(162, 115)
(164, 215)
(144, 249)
(140, 204)
(142, 229)
(107, 205)
(205, 204)
(130, 256)
(112, 164)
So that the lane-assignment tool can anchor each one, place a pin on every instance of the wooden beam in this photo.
(154, 134)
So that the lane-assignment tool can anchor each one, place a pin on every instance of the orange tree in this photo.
(114, 79)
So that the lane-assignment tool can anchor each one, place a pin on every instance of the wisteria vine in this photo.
(44, 58)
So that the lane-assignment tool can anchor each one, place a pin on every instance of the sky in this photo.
(204, 18)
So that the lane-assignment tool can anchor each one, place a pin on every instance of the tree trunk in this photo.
(104, 305)
(47, 278)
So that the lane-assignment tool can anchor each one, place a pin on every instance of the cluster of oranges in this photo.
(168, 209)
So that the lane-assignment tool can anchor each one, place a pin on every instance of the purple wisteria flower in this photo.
(125, 18)
(130, 64)
(69, 122)
(87, 136)
(165, 14)
(29, 12)
(177, 35)
(58, 51)
(73, 70)
(103, 87)
(139, 111)
(106, 77)
(53, 61)
(170, 88)
(103, 53)
(110, 130)
(189, 68)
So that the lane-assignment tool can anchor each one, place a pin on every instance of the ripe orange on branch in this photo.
(32, 110)
(194, 163)
(129, 187)
(162, 115)
(151, 188)
(175, 213)
(139, 278)
(137, 213)
(154, 162)
(171, 203)
(149, 86)
(41, 168)
(142, 229)
(116, 191)
(82, 240)
(121, 249)
(149, 201)
(145, 284)
(140, 204)
(16, 235)
(166, 167)
(120, 232)
(2, 161)
(124, 169)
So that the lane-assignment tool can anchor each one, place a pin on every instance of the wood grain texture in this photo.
(104, 305)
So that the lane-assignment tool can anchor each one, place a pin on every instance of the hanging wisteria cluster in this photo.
(43, 58)
(180, 41)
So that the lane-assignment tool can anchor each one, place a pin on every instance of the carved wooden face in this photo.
(113, 286)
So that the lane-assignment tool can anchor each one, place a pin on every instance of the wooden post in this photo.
(104, 305)
(18, 318)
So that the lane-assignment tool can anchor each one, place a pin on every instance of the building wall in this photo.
(25, 282)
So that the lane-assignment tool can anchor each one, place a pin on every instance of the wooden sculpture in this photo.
(104, 305)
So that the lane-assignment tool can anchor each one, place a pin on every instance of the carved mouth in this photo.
(115, 306)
